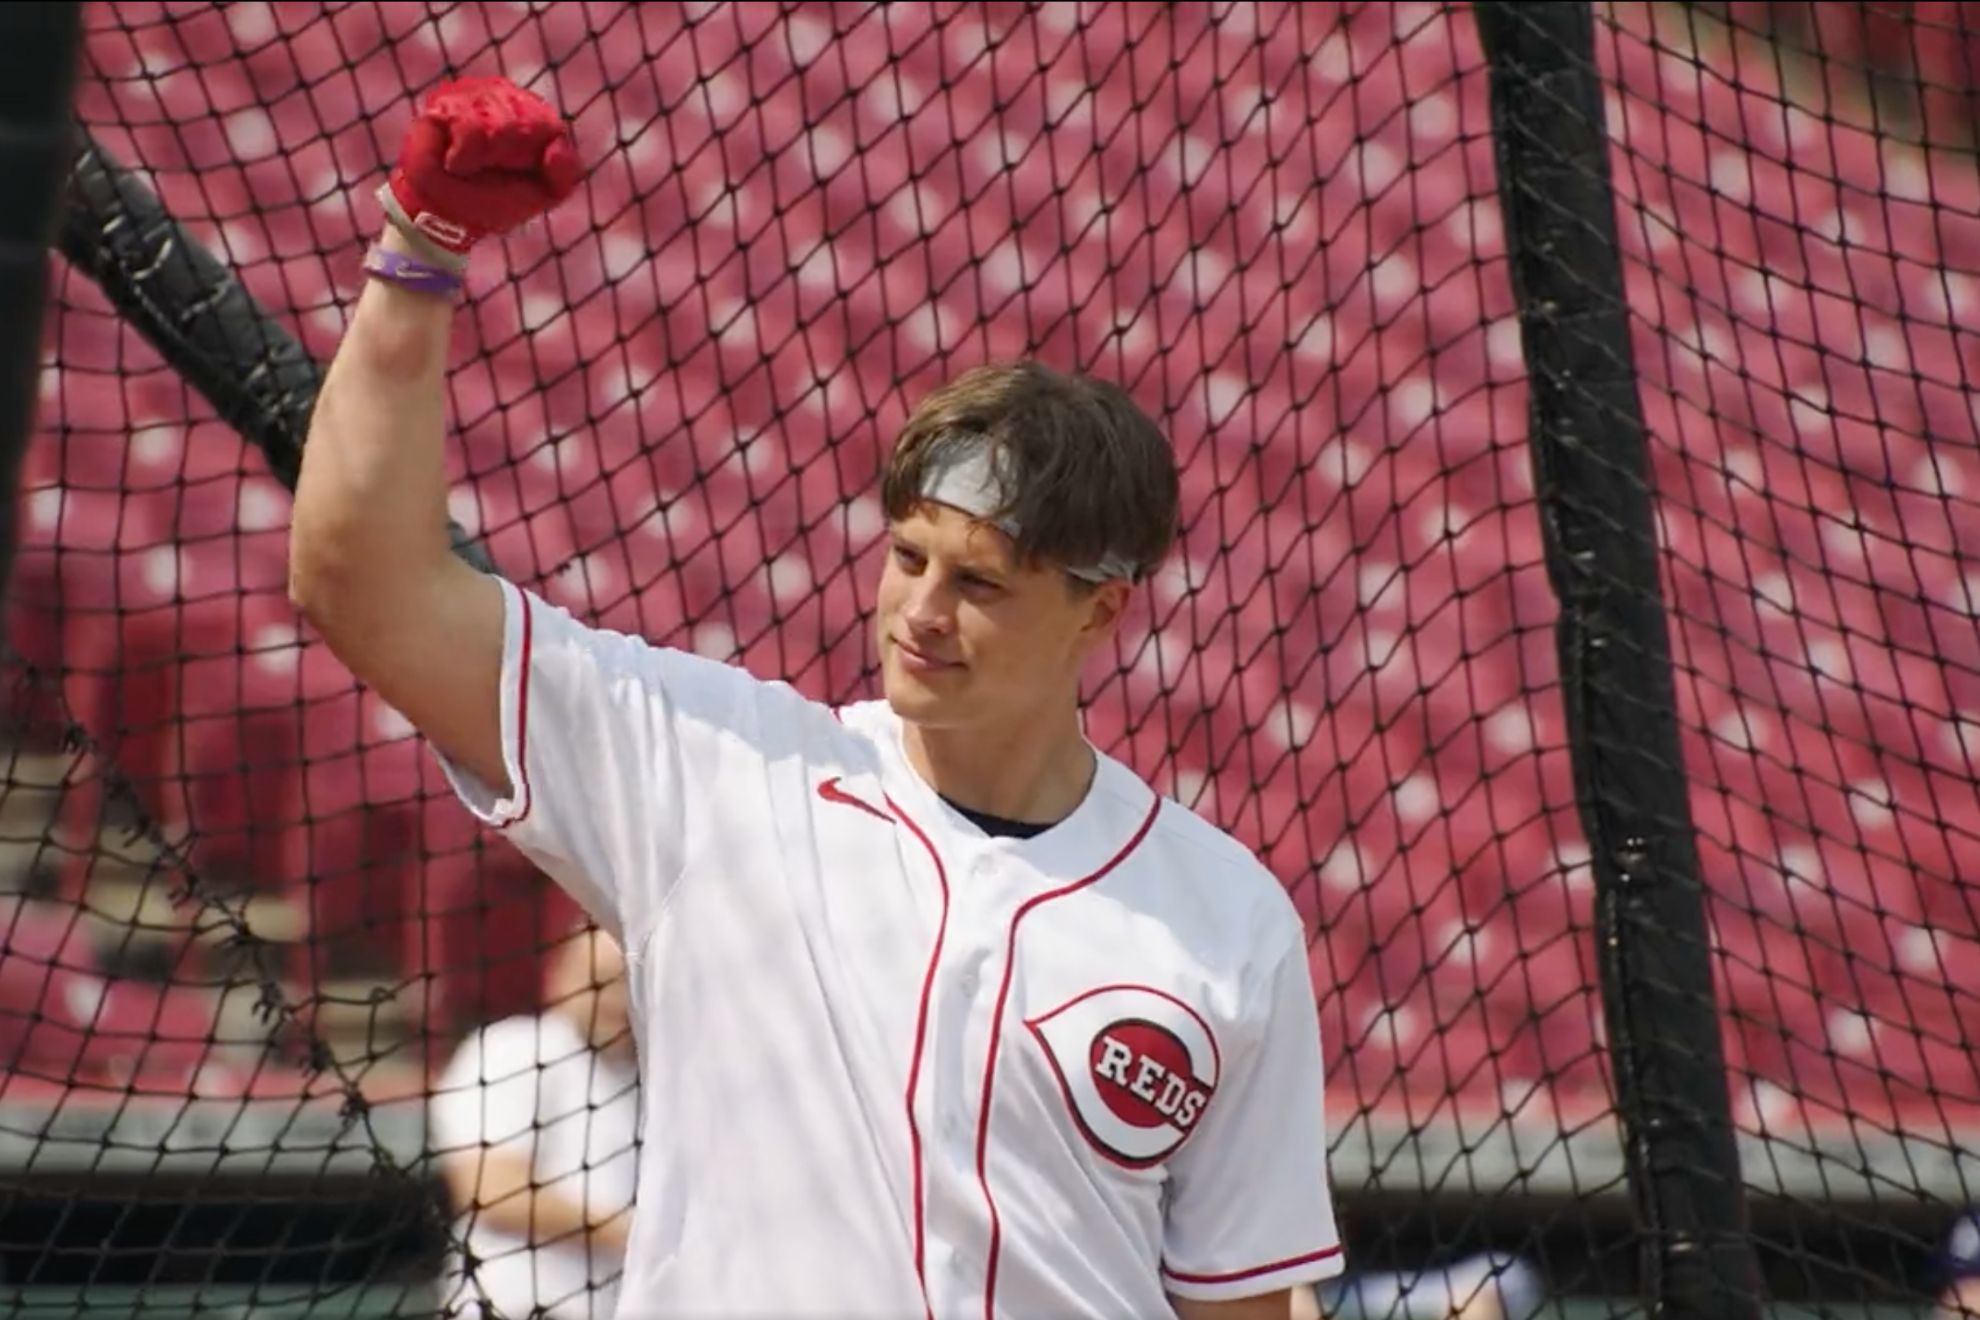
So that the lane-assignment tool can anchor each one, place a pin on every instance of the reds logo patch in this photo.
(1138, 1068)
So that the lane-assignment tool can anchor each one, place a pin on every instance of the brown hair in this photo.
(1091, 475)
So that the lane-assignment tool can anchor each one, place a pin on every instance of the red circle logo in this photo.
(1143, 1074)
(1138, 1067)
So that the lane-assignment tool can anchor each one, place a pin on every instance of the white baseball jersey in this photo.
(895, 1066)
(535, 1087)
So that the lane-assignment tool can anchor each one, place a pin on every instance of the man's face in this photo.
(969, 636)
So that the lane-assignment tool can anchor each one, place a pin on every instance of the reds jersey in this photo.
(896, 1066)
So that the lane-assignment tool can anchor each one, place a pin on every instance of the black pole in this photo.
(202, 320)
(1592, 475)
(39, 48)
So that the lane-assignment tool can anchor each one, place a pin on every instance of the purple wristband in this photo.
(411, 273)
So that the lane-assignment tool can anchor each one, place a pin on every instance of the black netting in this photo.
(1800, 216)
(250, 927)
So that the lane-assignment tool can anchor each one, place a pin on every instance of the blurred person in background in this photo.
(535, 1127)
(1959, 1259)
(1483, 1286)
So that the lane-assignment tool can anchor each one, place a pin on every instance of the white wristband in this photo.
(427, 249)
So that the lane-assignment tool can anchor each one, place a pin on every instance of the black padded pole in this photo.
(190, 307)
(39, 48)
(1592, 475)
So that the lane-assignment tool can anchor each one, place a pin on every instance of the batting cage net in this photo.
(248, 931)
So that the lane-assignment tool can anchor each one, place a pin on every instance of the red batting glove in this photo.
(482, 156)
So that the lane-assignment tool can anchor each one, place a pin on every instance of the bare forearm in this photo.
(372, 496)
(543, 1215)
(369, 562)
(370, 566)
(1265, 1306)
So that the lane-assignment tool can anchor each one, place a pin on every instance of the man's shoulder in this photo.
(872, 719)
(1180, 827)
(1213, 862)
(864, 734)
(687, 677)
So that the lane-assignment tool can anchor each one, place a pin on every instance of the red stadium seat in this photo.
(49, 988)
(486, 923)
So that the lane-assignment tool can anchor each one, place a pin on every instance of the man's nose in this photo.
(930, 606)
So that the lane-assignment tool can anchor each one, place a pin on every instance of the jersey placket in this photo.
(964, 992)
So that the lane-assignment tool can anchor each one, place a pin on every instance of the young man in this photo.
(940, 1011)
(534, 1125)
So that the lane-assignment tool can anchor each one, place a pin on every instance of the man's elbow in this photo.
(342, 569)
(349, 592)
(305, 591)
(320, 576)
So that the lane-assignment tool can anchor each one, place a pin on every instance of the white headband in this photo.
(965, 481)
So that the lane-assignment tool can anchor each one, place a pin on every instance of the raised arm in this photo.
(369, 563)
(595, 752)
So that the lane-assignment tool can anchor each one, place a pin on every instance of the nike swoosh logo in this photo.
(831, 792)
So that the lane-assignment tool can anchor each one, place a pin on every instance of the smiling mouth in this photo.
(921, 659)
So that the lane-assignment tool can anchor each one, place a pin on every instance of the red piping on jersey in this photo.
(831, 792)
(997, 1031)
(1256, 1270)
(914, 1063)
(522, 715)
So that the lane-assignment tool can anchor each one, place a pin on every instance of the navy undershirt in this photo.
(999, 826)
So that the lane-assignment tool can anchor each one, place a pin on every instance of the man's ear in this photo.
(1106, 604)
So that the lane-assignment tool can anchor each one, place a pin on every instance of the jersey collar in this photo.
(1114, 810)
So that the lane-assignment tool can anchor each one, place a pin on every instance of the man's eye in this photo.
(907, 558)
(978, 584)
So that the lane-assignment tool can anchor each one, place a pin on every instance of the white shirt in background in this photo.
(533, 1086)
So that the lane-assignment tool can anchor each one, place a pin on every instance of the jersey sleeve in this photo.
(614, 749)
(1250, 1209)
